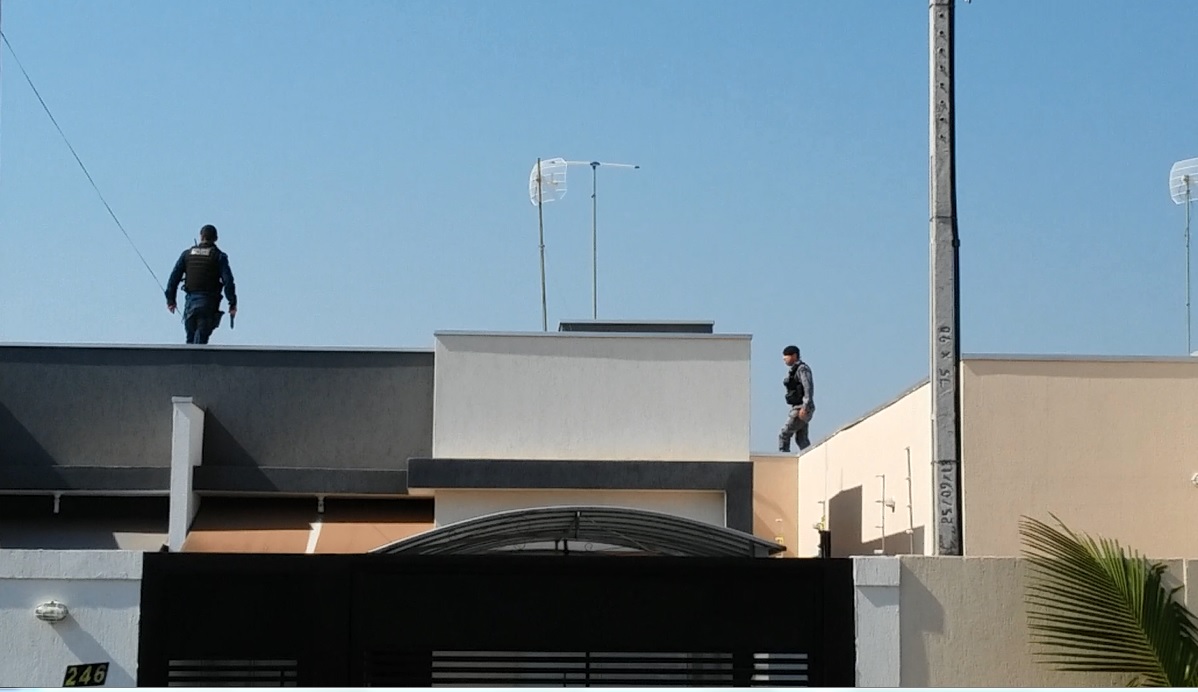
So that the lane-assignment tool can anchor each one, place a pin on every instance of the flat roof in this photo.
(220, 347)
(638, 326)
(597, 335)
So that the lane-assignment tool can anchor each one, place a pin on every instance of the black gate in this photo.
(396, 620)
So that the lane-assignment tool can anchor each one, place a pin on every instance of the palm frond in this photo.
(1092, 607)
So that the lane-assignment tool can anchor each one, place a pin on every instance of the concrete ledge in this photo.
(303, 481)
(70, 564)
(86, 478)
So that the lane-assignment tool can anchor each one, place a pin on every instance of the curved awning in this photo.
(577, 529)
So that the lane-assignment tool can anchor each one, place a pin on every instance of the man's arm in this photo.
(172, 282)
(226, 278)
(808, 386)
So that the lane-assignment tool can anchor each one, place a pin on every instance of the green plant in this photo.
(1093, 607)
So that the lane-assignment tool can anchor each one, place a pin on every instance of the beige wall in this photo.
(963, 624)
(1109, 446)
(776, 499)
(454, 505)
(843, 472)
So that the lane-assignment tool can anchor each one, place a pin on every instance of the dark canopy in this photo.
(581, 530)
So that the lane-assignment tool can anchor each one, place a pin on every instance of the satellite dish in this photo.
(1183, 178)
(553, 181)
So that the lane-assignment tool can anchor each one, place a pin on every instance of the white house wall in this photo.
(102, 592)
(841, 483)
(592, 397)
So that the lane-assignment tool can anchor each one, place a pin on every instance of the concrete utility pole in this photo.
(945, 291)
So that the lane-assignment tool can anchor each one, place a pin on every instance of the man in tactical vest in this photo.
(800, 395)
(207, 270)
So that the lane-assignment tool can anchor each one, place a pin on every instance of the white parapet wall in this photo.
(101, 590)
(870, 483)
(650, 397)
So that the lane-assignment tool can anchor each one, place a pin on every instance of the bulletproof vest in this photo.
(794, 386)
(202, 270)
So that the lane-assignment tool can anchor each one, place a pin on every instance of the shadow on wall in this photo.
(86, 649)
(108, 608)
(24, 462)
(923, 615)
(221, 448)
(845, 511)
(82, 522)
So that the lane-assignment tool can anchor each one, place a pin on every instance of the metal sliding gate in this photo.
(391, 620)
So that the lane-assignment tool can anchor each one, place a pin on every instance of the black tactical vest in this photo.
(794, 386)
(202, 271)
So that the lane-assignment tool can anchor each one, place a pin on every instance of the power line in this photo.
(79, 161)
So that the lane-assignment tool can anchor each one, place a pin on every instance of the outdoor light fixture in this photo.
(51, 611)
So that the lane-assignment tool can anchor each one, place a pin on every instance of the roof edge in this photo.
(218, 347)
(873, 412)
(1073, 357)
(598, 335)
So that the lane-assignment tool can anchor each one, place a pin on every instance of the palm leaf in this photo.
(1094, 608)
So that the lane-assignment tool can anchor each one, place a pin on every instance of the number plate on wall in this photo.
(86, 675)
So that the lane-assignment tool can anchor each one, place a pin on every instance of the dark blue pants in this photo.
(199, 317)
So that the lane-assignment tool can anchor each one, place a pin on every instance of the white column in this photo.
(187, 447)
(879, 651)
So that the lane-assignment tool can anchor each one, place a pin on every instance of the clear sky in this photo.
(367, 165)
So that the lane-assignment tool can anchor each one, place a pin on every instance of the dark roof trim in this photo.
(572, 528)
(300, 481)
(212, 347)
(635, 326)
(118, 479)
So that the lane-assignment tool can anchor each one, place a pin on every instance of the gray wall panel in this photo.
(63, 406)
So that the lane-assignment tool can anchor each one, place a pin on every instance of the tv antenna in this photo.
(1182, 177)
(546, 183)
(595, 223)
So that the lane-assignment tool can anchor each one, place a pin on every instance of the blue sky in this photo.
(367, 162)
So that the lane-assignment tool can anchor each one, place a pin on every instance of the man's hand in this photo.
(804, 415)
(170, 306)
(232, 311)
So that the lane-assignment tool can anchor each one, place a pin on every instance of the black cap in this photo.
(791, 351)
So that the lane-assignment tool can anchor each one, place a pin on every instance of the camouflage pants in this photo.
(797, 428)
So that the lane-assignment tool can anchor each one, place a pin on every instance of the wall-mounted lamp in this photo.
(51, 611)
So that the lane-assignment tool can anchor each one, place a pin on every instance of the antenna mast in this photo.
(595, 223)
(546, 183)
(541, 230)
(1181, 178)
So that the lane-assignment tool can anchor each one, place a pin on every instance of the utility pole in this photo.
(945, 291)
